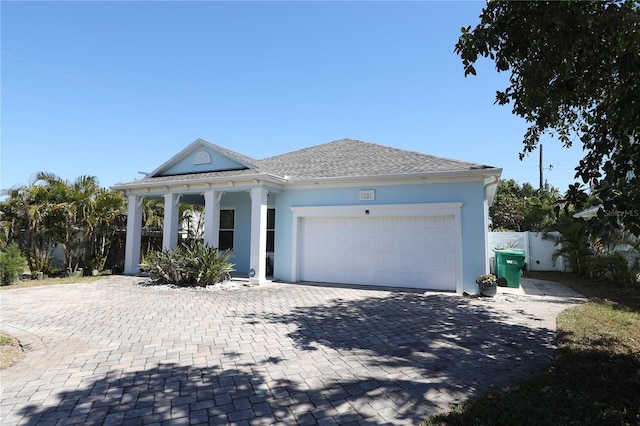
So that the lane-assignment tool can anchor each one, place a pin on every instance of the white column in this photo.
(257, 260)
(134, 235)
(171, 221)
(212, 217)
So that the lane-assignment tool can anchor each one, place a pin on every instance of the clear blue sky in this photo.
(113, 88)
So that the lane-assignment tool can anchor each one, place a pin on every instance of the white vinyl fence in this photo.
(538, 248)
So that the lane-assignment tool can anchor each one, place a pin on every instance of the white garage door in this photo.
(412, 251)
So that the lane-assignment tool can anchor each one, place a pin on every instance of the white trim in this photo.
(381, 210)
(192, 147)
(422, 209)
(175, 183)
(392, 179)
(171, 221)
(202, 157)
(212, 217)
(134, 234)
(258, 248)
(278, 183)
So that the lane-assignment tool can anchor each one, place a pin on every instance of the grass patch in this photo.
(50, 281)
(594, 378)
(10, 351)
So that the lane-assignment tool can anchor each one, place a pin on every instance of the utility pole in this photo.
(541, 170)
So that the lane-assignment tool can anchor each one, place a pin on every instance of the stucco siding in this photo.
(474, 234)
(186, 165)
(472, 217)
(241, 202)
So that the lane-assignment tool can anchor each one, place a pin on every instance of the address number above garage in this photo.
(368, 195)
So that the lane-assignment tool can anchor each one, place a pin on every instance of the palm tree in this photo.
(152, 222)
(67, 200)
(92, 216)
(192, 218)
(108, 218)
(27, 218)
(51, 211)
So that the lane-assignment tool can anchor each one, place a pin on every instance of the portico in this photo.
(224, 182)
(258, 198)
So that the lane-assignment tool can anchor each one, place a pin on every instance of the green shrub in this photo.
(612, 267)
(206, 265)
(11, 264)
(165, 265)
(198, 264)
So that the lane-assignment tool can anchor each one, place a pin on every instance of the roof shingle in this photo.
(353, 158)
(344, 158)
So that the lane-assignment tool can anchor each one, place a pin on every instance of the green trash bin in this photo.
(509, 264)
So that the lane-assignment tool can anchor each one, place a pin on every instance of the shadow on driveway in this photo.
(381, 358)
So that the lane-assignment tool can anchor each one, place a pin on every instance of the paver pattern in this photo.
(117, 352)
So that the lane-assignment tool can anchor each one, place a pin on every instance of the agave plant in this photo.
(206, 264)
(198, 264)
(165, 265)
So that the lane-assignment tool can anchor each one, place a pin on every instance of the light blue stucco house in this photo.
(343, 212)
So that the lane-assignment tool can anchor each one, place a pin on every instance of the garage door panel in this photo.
(412, 251)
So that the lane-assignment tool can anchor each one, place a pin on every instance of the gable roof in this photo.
(342, 159)
(242, 161)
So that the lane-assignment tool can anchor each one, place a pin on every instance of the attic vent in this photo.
(202, 157)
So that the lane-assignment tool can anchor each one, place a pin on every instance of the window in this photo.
(227, 227)
(271, 226)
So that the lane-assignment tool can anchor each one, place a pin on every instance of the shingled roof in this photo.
(353, 158)
(344, 158)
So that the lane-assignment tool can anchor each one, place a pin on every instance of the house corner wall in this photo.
(474, 231)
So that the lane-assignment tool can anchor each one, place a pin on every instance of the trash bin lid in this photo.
(511, 251)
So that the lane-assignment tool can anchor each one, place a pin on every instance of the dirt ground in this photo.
(10, 351)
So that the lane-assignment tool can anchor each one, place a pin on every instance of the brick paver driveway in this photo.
(116, 352)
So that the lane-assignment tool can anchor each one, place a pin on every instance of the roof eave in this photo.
(462, 174)
(491, 187)
(235, 180)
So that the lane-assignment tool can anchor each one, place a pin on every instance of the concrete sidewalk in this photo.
(117, 352)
